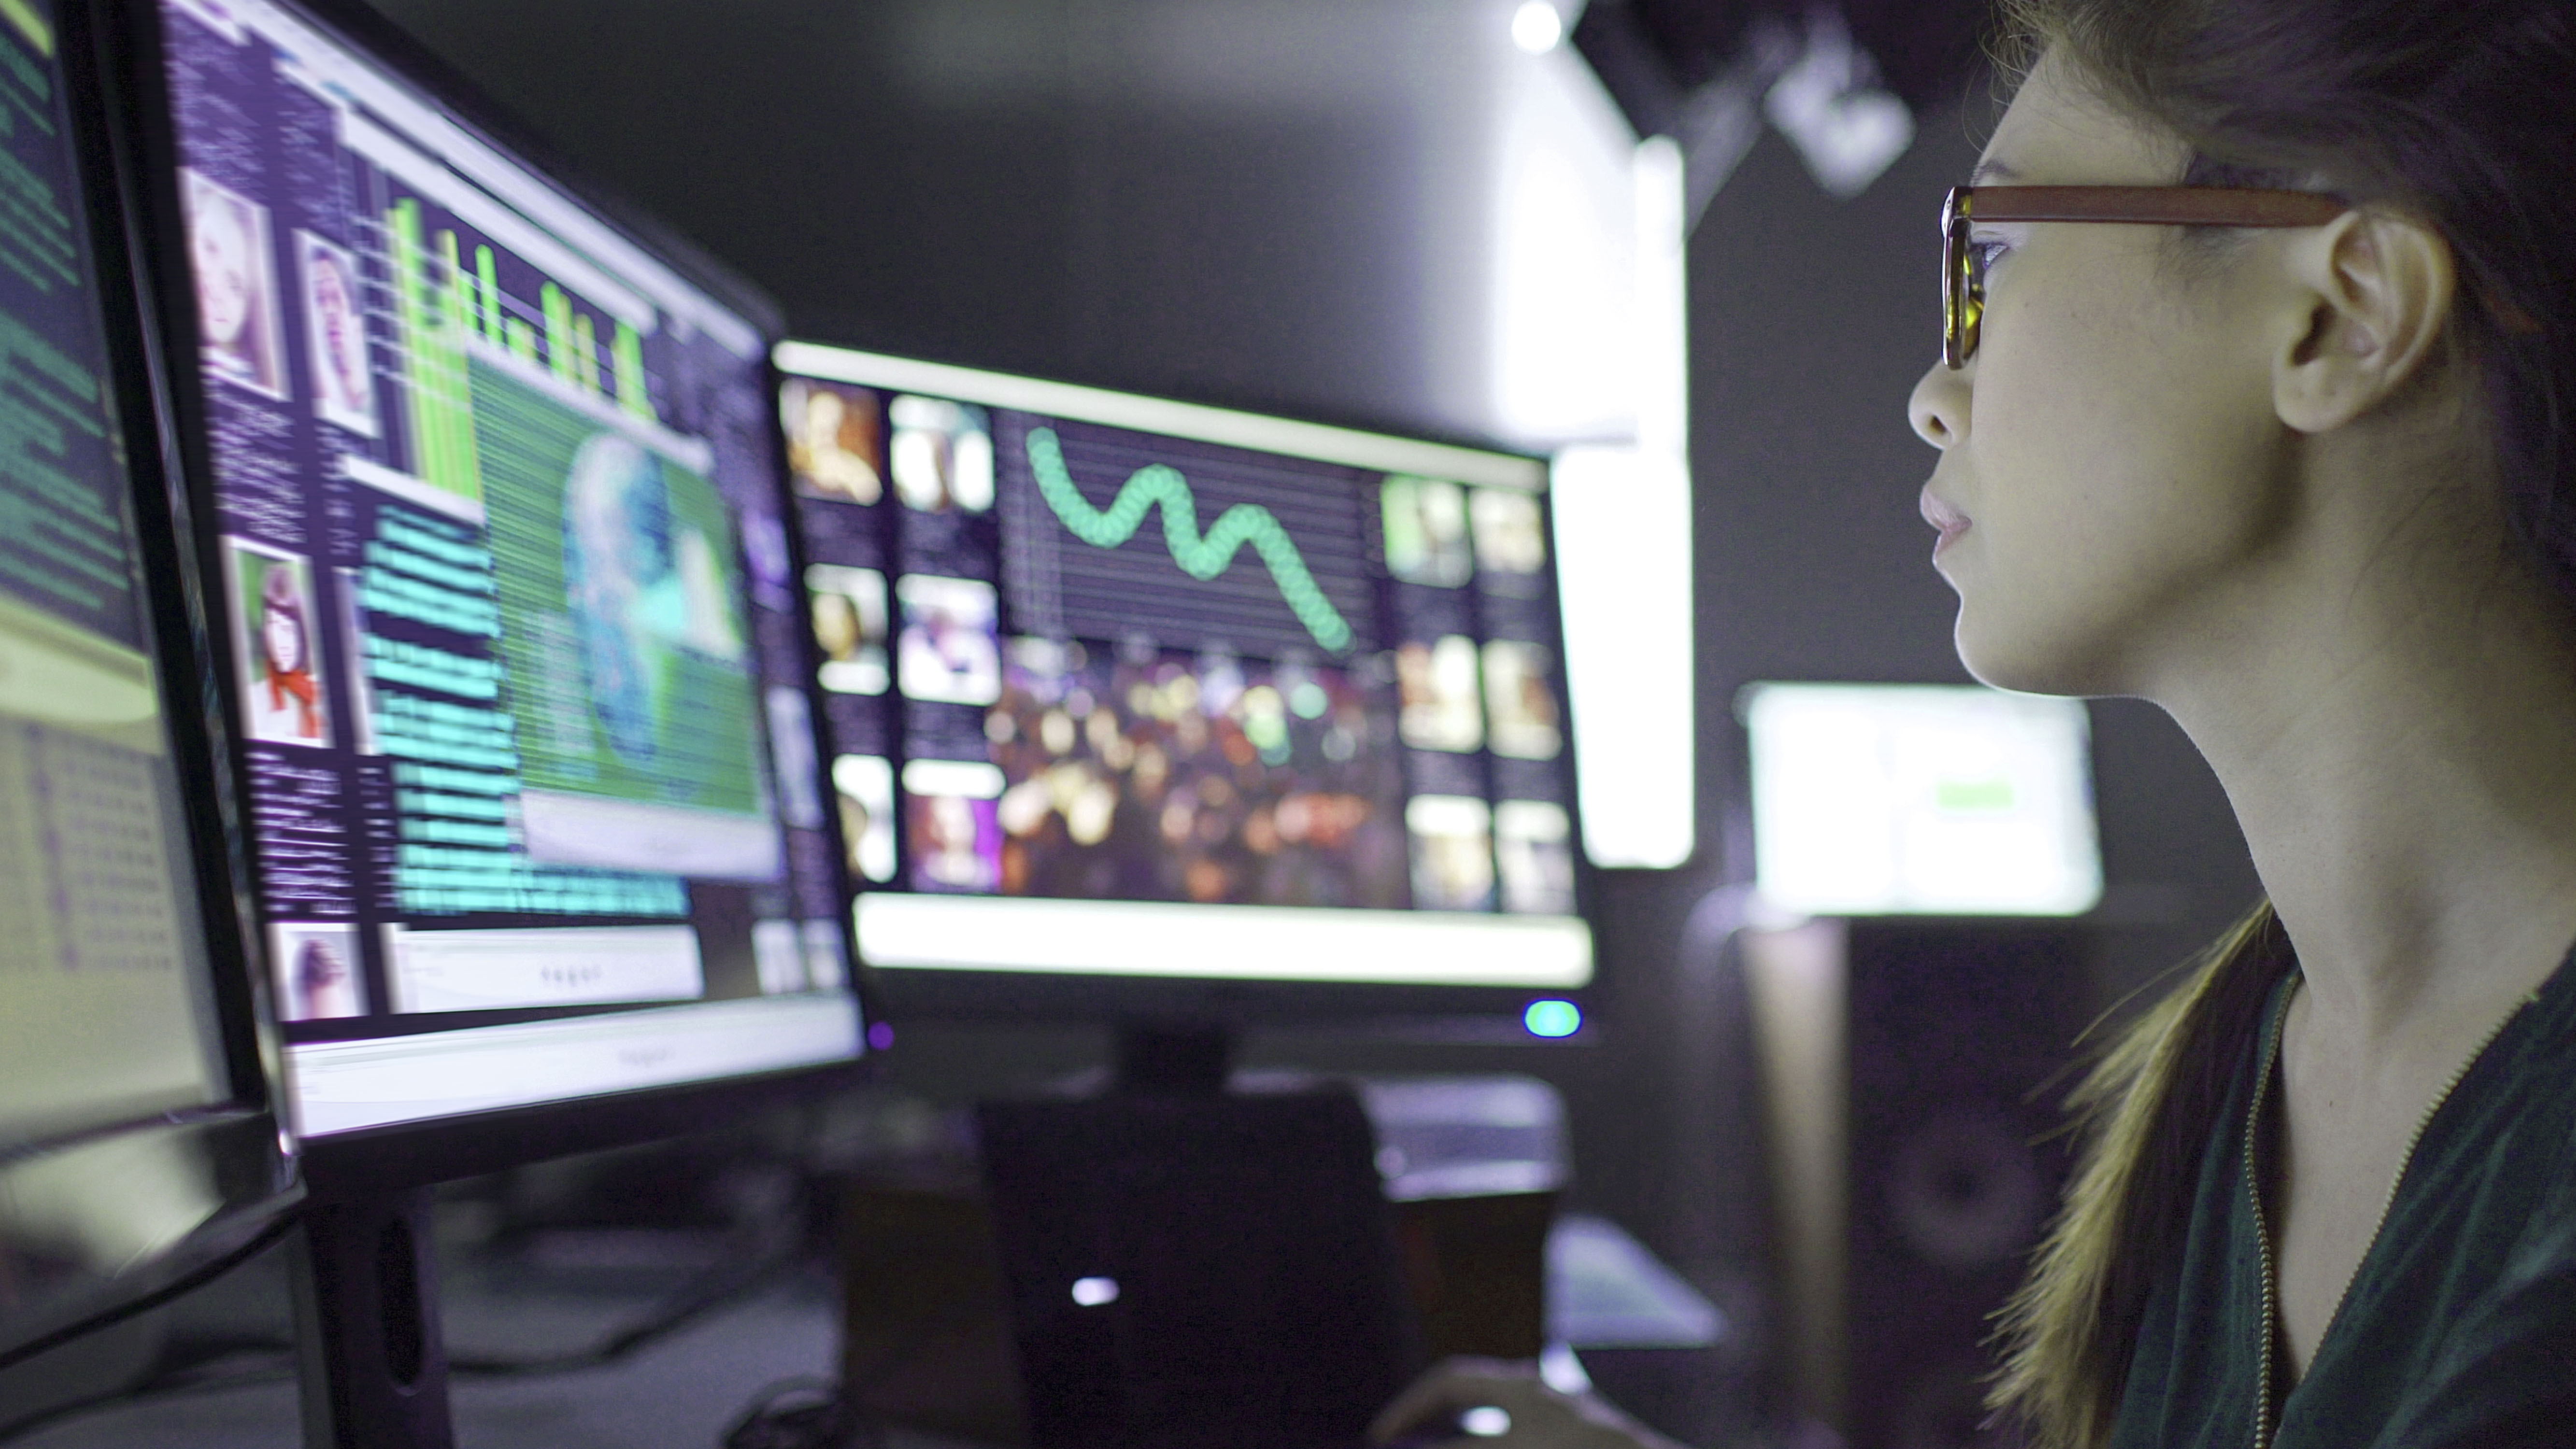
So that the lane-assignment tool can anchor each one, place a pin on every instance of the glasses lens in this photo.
(1957, 336)
(1971, 287)
(1951, 354)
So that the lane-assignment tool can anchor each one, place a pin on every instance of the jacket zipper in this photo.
(2263, 1231)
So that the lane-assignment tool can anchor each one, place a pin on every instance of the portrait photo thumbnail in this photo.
(864, 785)
(277, 643)
(1437, 683)
(941, 455)
(951, 648)
(335, 334)
(952, 825)
(850, 627)
(1425, 526)
(229, 250)
(834, 437)
(1453, 852)
(317, 971)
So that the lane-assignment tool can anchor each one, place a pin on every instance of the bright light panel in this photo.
(1921, 799)
(1557, 344)
(1537, 28)
(1623, 559)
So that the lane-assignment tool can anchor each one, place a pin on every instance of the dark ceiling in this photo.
(1928, 51)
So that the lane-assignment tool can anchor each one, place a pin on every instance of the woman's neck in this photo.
(2399, 743)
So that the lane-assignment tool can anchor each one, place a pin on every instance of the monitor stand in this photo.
(374, 1364)
(1262, 1300)
(1173, 1058)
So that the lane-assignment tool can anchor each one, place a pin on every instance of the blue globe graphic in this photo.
(617, 546)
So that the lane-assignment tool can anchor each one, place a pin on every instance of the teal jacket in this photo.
(2459, 1328)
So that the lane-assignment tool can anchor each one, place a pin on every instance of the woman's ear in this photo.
(2373, 291)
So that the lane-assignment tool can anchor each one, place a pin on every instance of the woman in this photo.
(286, 702)
(322, 986)
(226, 235)
(2297, 472)
(342, 393)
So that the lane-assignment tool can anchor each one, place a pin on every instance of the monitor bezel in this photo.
(431, 1149)
(1452, 1011)
(251, 1160)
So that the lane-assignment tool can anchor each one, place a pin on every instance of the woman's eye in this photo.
(1987, 251)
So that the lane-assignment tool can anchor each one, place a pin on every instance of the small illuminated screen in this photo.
(513, 637)
(103, 1013)
(1894, 799)
(1127, 686)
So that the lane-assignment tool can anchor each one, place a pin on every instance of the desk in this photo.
(680, 1393)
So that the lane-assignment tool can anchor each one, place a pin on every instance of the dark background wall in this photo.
(1278, 205)
(1237, 200)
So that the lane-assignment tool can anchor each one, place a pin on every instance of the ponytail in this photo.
(2147, 1110)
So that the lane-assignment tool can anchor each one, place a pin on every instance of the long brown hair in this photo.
(2148, 1107)
(2458, 113)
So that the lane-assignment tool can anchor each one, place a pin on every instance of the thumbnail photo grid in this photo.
(981, 751)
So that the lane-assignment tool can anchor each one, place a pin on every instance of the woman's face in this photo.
(331, 300)
(321, 969)
(223, 271)
(2111, 459)
(283, 637)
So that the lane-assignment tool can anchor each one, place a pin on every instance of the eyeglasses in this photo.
(1963, 267)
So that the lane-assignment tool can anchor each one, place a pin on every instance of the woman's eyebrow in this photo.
(1991, 170)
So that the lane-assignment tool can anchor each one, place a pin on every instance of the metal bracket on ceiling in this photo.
(1811, 81)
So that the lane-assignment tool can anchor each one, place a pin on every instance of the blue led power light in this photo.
(1553, 1018)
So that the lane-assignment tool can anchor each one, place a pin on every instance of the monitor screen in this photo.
(513, 635)
(105, 1017)
(1879, 799)
(1126, 686)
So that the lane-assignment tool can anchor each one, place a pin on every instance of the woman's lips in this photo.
(1942, 516)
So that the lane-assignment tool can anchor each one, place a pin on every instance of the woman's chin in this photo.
(2024, 662)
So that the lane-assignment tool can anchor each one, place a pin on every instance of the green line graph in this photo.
(1201, 557)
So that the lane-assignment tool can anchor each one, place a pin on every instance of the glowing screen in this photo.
(1127, 686)
(1887, 799)
(518, 659)
(102, 950)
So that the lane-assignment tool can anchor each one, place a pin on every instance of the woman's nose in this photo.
(1939, 407)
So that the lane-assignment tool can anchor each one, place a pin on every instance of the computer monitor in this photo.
(506, 608)
(1142, 707)
(136, 1140)
(1891, 799)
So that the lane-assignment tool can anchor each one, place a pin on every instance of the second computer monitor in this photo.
(1921, 799)
(1119, 686)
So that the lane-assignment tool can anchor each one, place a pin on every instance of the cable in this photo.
(711, 1290)
(276, 1359)
(803, 1413)
(832, 1417)
(715, 1289)
(185, 1283)
(194, 1378)
(200, 1376)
